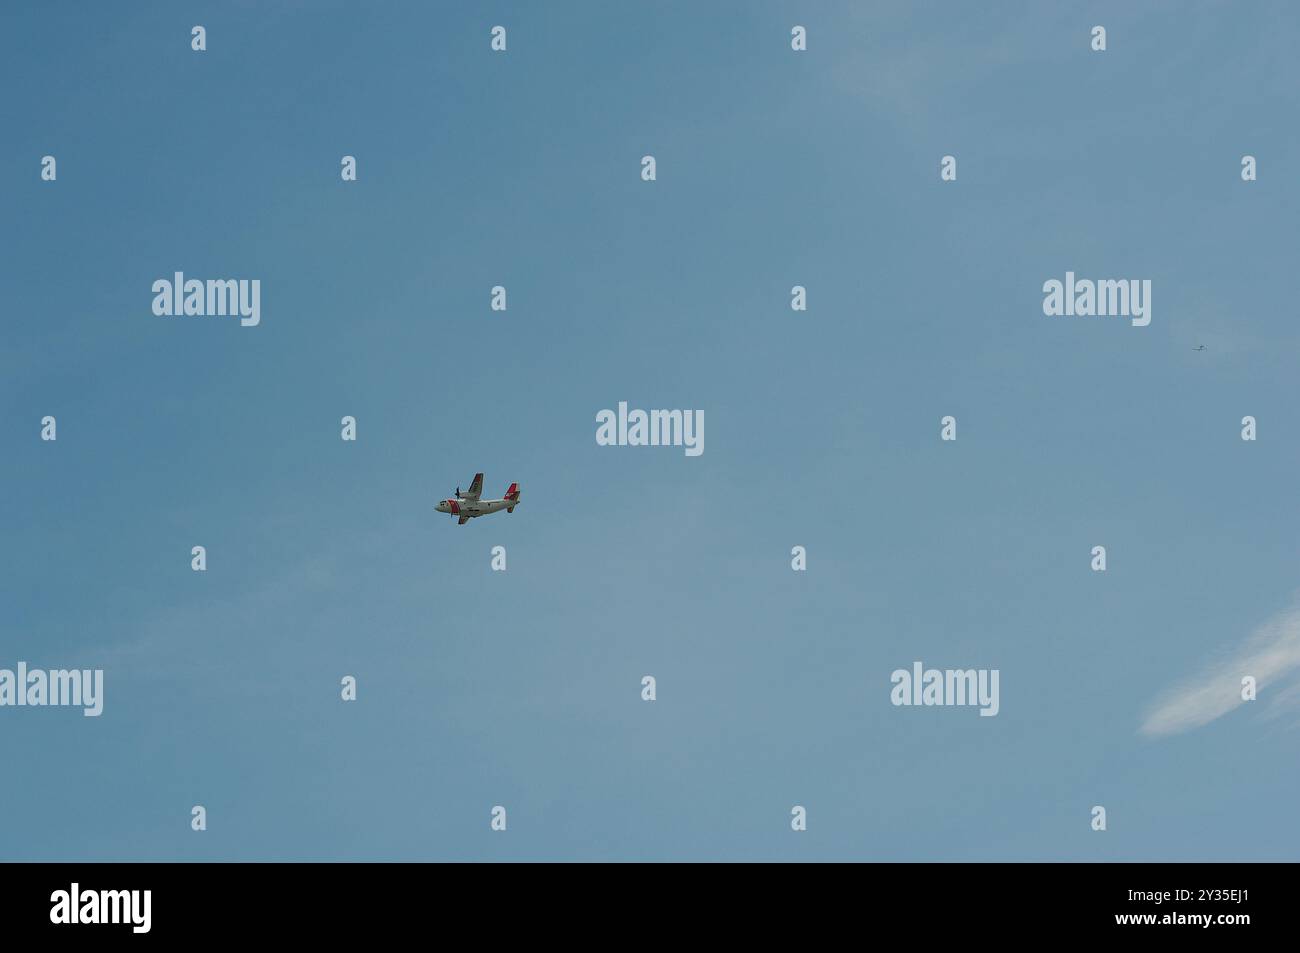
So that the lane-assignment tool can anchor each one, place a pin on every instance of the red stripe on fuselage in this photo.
(455, 507)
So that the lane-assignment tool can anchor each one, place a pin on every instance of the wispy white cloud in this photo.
(1271, 655)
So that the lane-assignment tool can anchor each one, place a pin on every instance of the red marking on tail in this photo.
(513, 492)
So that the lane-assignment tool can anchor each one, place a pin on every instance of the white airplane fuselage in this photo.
(472, 508)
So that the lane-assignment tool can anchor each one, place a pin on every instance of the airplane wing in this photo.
(475, 489)
(462, 521)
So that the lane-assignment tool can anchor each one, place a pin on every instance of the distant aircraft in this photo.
(467, 505)
(1199, 348)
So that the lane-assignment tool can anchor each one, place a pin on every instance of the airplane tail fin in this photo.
(512, 497)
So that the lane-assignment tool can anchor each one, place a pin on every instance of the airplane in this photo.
(1201, 348)
(467, 505)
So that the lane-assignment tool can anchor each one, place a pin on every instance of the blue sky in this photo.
(522, 688)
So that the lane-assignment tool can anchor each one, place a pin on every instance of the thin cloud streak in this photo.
(1272, 652)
